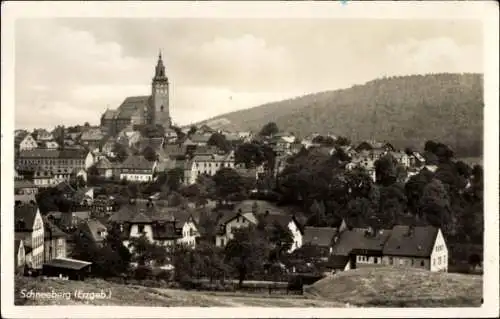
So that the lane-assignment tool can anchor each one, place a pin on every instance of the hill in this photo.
(393, 287)
(404, 110)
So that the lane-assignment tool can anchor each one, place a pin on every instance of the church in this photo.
(140, 110)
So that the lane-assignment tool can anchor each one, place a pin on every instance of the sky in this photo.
(69, 70)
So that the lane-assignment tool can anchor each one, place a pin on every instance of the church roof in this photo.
(109, 114)
(131, 105)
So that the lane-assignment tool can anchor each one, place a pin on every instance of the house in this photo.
(43, 178)
(416, 246)
(191, 231)
(230, 222)
(74, 217)
(105, 168)
(43, 136)
(157, 223)
(29, 228)
(52, 145)
(288, 222)
(49, 159)
(137, 169)
(54, 241)
(321, 237)
(72, 269)
(84, 196)
(93, 230)
(25, 191)
(362, 246)
(91, 138)
(19, 256)
(402, 158)
(208, 165)
(25, 142)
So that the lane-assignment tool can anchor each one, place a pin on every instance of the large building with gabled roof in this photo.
(141, 110)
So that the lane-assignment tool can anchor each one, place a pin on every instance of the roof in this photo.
(358, 239)
(131, 105)
(92, 135)
(67, 263)
(52, 230)
(109, 114)
(213, 158)
(25, 198)
(164, 231)
(104, 163)
(200, 138)
(93, 227)
(23, 183)
(25, 217)
(156, 212)
(17, 245)
(337, 262)
(137, 162)
(417, 244)
(319, 236)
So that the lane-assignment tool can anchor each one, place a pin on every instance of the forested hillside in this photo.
(405, 110)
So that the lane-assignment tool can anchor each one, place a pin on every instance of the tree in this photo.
(342, 141)
(246, 252)
(86, 124)
(219, 140)
(192, 130)
(386, 170)
(175, 177)
(145, 252)
(434, 204)
(227, 182)
(120, 151)
(269, 129)
(59, 134)
(149, 154)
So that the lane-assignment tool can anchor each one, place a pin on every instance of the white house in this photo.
(137, 169)
(51, 145)
(416, 246)
(30, 229)
(233, 221)
(28, 143)
(209, 165)
(190, 233)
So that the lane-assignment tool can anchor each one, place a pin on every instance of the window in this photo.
(375, 260)
(391, 261)
(140, 228)
(422, 263)
(439, 260)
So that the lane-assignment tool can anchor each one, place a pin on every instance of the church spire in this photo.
(160, 69)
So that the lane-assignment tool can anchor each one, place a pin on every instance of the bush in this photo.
(142, 273)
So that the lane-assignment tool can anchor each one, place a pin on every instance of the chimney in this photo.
(411, 230)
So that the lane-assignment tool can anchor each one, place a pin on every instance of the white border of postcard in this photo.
(486, 11)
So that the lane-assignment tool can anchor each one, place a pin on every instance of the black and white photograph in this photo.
(291, 157)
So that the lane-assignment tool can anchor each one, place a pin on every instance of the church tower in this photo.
(160, 108)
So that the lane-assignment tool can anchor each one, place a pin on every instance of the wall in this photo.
(136, 177)
(37, 241)
(399, 261)
(148, 231)
(189, 234)
(439, 255)
(297, 236)
(236, 222)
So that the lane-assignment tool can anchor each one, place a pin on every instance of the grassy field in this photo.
(391, 287)
(123, 295)
(368, 287)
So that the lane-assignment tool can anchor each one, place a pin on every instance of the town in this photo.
(138, 198)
